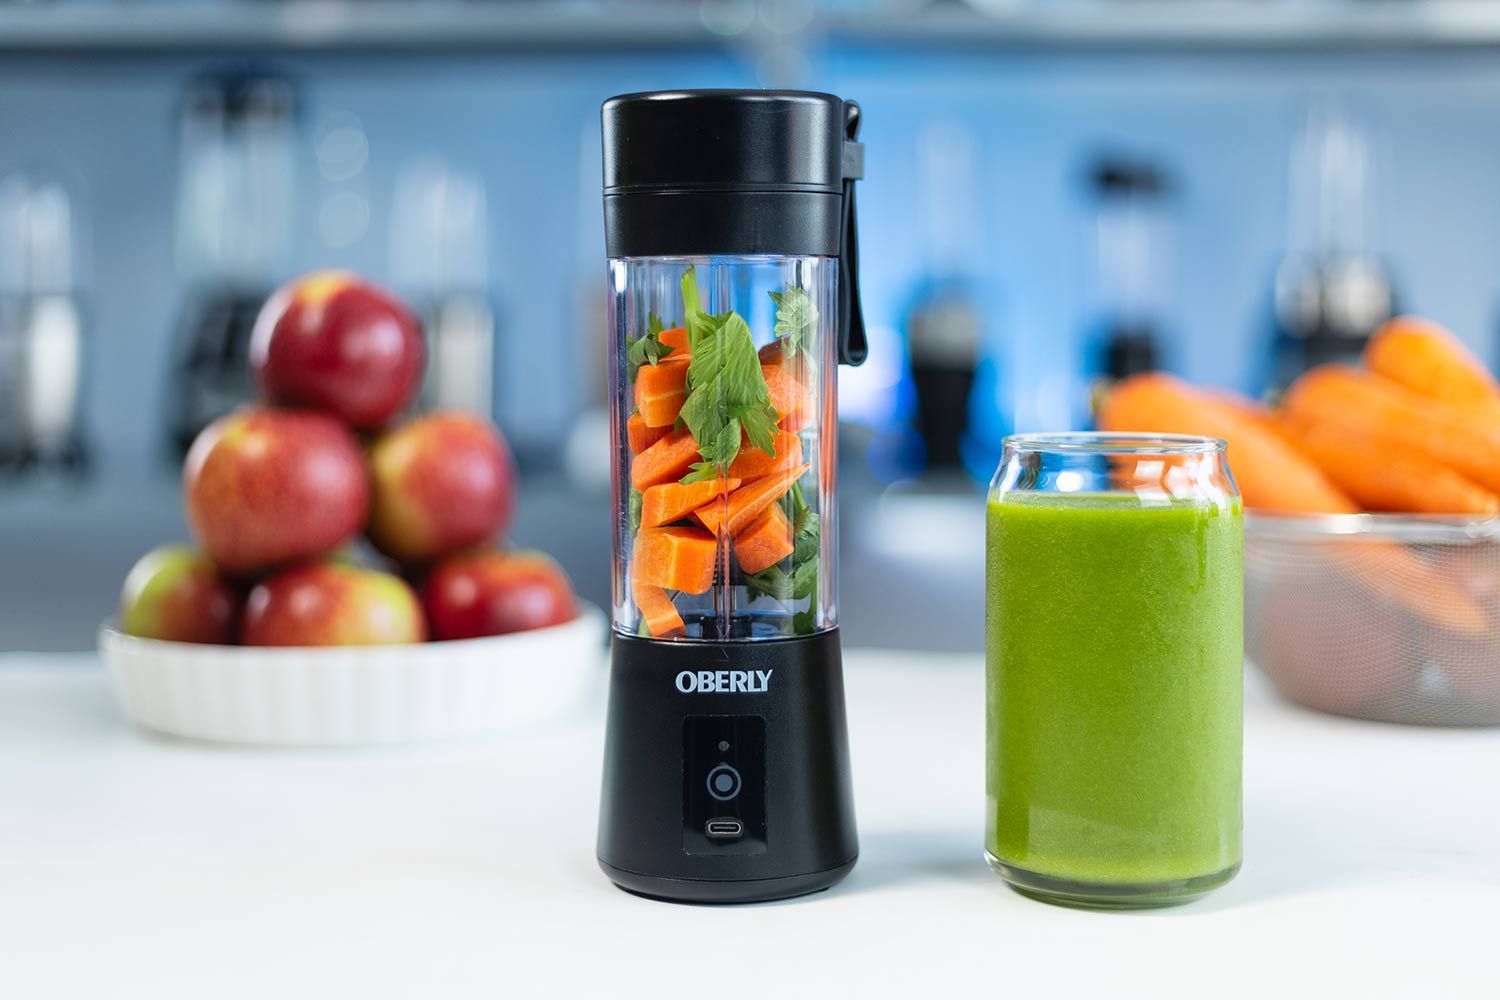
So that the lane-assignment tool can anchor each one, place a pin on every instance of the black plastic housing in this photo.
(791, 792)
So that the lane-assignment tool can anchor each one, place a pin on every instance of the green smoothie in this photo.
(1114, 692)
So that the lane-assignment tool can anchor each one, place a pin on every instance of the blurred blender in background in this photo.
(41, 327)
(944, 325)
(237, 160)
(1332, 291)
(439, 246)
(1133, 230)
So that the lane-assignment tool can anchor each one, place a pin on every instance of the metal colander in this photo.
(1379, 616)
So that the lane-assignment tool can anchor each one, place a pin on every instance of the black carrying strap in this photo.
(852, 344)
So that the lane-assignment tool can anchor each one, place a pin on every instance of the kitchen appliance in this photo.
(730, 232)
(945, 323)
(42, 343)
(237, 133)
(1132, 230)
(1331, 289)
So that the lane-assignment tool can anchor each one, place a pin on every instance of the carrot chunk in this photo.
(657, 610)
(746, 503)
(668, 502)
(752, 463)
(788, 396)
(640, 436)
(765, 542)
(677, 339)
(675, 558)
(660, 390)
(666, 460)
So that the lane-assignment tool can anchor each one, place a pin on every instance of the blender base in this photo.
(763, 890)
(726, 769)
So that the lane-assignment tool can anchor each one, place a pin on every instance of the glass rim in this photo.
(1113, 443)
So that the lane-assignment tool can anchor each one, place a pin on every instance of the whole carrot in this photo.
(1346, 397)
(1383, 476)
(1274, 477)
(1429, 360)
(1271, 475)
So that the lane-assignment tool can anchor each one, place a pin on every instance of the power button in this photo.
(723, 782)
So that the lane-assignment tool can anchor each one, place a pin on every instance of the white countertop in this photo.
(137, 866)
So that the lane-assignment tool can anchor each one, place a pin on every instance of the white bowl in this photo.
(356, 695)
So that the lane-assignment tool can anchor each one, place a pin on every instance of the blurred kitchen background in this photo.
(1058, 193)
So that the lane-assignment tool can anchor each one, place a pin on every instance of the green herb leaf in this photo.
(805, 580)
(648, 349)
(809, 527)
(635, 511)
(804, 623)
(796, 316)
(772, 582)
(726, 391)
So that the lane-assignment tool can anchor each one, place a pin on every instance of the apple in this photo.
(334, 342)
(175, 593)
(491, 593)
(441, 483)
(330, 603)
(264, 487)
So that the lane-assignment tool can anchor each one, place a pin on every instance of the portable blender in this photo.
(729, 224)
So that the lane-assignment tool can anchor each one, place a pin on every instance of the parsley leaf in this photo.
(727, 398)
(796, 316)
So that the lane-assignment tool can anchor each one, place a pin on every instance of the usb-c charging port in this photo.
(724, 829)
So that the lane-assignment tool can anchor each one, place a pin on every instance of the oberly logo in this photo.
(724, 681)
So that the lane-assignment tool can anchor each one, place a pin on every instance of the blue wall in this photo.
(1224, 123)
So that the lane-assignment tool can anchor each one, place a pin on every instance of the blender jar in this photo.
(724, 446)
(729, 230)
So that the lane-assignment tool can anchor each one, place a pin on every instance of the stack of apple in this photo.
(277, 495)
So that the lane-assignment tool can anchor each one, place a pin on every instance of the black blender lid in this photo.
(699, 173)
(742, 140)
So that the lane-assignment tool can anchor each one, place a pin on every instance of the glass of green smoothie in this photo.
(1114, 638)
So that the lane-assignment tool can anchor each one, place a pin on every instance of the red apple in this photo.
(490, 593)
(441, 483)
(176, 594)
(264, 487)
(332, 604)
(333, 342)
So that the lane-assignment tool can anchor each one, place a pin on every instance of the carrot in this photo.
(640, 436)
(1271, 475)
(788, 396)
(746, 503)
(1383, 476)
(657, 610)
(775, 353)
(666, 460)
(668, 502)
(752, 463)
(675, 558)
(765, 541)
(660, 390)
(1341, 396)
(1430, 361)
(677, 339)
